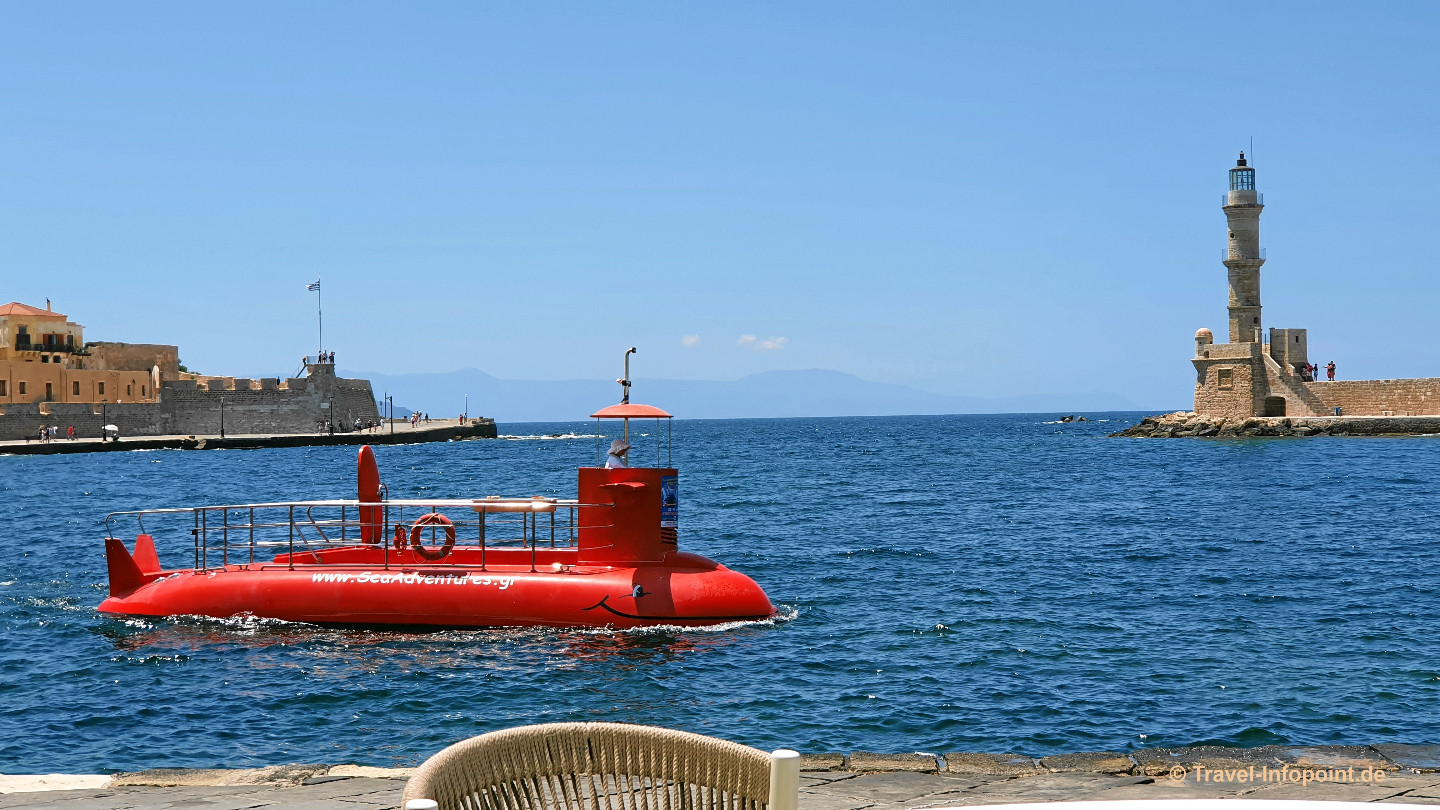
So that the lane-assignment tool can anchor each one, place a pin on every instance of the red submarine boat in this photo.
(609, 558)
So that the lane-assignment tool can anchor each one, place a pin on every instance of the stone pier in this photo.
(440, 430)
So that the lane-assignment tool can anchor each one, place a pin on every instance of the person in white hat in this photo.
(616, 459)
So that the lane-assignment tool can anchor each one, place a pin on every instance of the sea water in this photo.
(947, 583)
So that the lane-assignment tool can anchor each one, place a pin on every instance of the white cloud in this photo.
(689, 340)
(767, 345)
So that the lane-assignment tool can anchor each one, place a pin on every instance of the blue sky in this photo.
(971, 199)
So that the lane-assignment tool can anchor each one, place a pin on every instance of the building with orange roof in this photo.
(44, 358)
(51, 376)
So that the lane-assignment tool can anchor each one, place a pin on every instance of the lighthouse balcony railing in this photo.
(1259, 199)
(1227, 254)
(296, 533)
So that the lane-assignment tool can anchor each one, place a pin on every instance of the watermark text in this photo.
(1285, 774)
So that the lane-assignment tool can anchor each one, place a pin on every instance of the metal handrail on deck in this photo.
(212, 528)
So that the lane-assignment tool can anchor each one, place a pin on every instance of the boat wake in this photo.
(548, 437)
(783, 615)
(220, 629)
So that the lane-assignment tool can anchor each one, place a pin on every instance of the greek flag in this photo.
(313, 287)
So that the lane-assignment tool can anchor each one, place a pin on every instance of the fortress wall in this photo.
(133, 357)
(248, 411)
(69, 410)
(1245, 394)
(133, 419)
(1290, 347)
(198, 412)
(1243, 352)
(354, 399)
(1419, 397)
(184, 409)
(22, 421)
(298, 408)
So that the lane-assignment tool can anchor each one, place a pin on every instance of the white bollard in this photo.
(784, 780)
(422, 804)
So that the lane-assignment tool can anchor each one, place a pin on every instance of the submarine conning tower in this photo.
(1243, 258)
(635, 510)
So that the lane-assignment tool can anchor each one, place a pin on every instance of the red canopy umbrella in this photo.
(631, 410)
(626, 410)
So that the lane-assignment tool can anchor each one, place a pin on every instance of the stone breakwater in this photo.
(1184, 424)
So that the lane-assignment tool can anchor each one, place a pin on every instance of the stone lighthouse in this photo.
(1243, 258)
(1250, 376)
(1259, 374)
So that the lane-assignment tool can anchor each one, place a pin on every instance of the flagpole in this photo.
(319, 317)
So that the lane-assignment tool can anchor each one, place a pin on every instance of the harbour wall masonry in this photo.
(476, 428)
(1418, 397)
(296, 406)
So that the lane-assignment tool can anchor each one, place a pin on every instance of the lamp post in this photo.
(222, 417)
(625, 400)
(391, 400)
(466, 417)
(330, 417)
(103, 421)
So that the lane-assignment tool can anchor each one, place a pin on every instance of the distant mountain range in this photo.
(812, 392)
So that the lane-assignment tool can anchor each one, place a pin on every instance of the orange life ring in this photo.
(433, 519)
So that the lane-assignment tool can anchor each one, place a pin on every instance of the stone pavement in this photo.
(349, 794)
(860, 781)
(438, 430)
(820, 790)
(902, 790)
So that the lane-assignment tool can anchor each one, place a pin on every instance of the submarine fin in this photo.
(367, 480)
(145, 556)
(125, 575)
